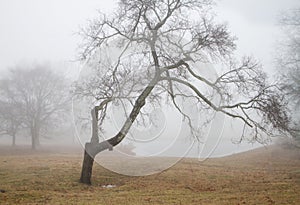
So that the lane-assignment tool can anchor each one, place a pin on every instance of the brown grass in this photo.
(263, 176)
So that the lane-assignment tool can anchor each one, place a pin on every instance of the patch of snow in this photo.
(109, 186)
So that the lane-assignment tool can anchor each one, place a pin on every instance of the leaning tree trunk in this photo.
(91, 150)
(87, 165)
(94, 147)
(89, 153)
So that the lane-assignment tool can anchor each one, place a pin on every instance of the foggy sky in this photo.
(43, 30)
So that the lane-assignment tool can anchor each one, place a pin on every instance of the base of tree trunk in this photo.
(14, 141)
(33, 146)
(87, 165)
(33, 142)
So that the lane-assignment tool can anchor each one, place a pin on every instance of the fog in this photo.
(40, 31)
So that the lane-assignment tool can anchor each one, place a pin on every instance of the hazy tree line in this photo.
(288, 62)
(33, 100)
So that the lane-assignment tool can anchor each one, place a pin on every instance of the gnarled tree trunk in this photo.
(87, 165)
(89, 150)
(94, 147)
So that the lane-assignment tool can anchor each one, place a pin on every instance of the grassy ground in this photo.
(263, 176)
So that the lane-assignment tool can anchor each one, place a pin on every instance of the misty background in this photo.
(40, 31)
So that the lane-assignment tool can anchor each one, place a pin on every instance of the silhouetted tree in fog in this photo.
(163, 44)
(288, 62)
(10, 119)
(35, 95)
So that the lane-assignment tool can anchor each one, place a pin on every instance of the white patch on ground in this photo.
(109, 186)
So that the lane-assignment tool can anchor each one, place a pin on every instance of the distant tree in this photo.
(288, 62)
(161, 51)
(36, 95)
(10, 120)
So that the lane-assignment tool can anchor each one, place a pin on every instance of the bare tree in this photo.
(10, 120)
(36, 95)
(288, 62)
(171, 48)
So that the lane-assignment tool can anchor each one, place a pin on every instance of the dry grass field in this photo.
(263, 176)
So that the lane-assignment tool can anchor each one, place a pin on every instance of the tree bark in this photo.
(87, 165)
(89, 154)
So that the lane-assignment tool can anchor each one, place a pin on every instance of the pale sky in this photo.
(45, 30)
(255, 24)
